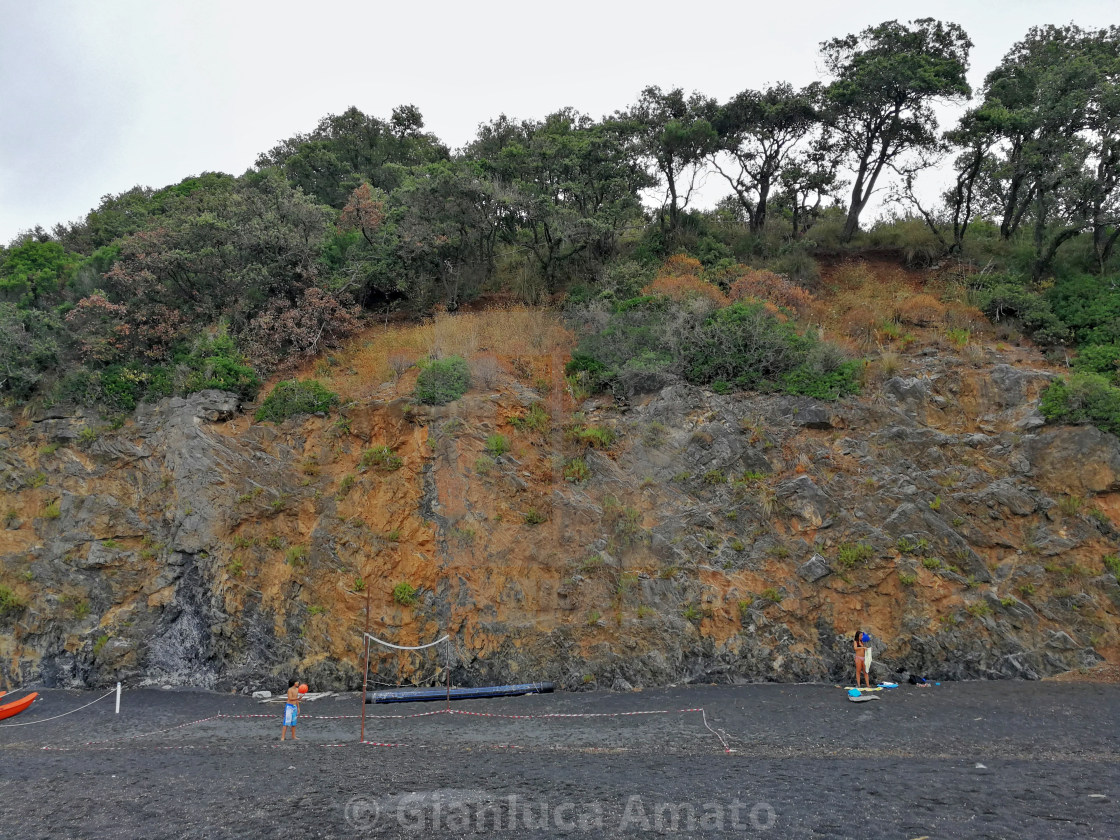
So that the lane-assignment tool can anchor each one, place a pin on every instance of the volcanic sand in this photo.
(977, 759)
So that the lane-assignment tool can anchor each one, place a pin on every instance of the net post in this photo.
(365, 669)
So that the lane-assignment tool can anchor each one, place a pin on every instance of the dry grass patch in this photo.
(485, 338)
(921, 311)
(860, 298)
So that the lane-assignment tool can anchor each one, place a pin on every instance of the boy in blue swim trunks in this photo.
(291, 711)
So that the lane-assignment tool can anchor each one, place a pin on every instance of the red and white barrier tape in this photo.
(546, 716)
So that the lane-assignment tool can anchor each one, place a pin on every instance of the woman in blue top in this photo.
(860, 650)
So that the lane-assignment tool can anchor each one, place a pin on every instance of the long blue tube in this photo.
(419, 695)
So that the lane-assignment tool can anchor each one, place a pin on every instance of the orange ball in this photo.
(303, 689)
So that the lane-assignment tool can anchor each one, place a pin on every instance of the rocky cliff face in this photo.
(718, 537)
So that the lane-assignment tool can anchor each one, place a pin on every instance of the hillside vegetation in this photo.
(221, 281)
(524, 394)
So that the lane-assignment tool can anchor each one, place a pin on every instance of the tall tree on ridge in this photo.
(675, 134)
(760, 131)
(879, 103)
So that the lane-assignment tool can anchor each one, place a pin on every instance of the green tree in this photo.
(28, 349)
(674, 134)
(33, 271)
(571, 184)
(440, 234)
(1049, 124)
(760, 132)
(351, 148)
(879, 104)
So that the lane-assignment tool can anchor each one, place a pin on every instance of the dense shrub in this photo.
(1003, 297)
(679, 279)
(124, 386)
(1083, 398)
(292, 397)
(28, 349)
(215, 362)
(1089, 307)
(766, 285)
(1099, 358)
(749, 344)
(443, 381)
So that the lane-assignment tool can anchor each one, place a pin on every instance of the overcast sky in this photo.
(97, 97)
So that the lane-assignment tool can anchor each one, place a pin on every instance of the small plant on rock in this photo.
(534, 517)
(404, 593)
(497, 445)
(10, 603)
(597, 437)
(577, 471)
(1071, 505)
(851, 555)
(714, 477)
(1112, 563)
(383, 458)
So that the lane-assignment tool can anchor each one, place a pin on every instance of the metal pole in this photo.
(118, 699)
(365, 670)
(447, 668)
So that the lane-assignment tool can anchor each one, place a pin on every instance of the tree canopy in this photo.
(222, 278)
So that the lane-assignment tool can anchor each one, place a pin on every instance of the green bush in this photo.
(443, 381)
(536, 419)
(382, 457)
(851, 555)
(1112, 563)
(1004, 297)
(747, 345)
(497, 445)
(293, 397)
(404, 593)
(577, 471)
(10, 603)
(1083, 398)
(1099, 358)
(1089, 307)
(215, 362)
(597, 437)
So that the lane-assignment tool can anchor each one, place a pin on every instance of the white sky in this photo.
(97, 96)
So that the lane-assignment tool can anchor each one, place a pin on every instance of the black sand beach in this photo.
(983, 759)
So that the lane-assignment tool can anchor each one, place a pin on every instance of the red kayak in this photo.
(12, 709)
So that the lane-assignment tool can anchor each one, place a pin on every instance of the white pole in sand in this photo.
(118, 699)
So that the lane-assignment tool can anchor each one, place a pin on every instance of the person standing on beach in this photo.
(860, 650)
(291, 711)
